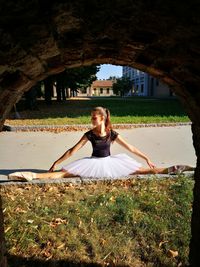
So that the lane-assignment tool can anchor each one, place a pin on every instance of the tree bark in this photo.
(68, 93)
(48, 84)
(58, 92)
(3, 261)
(8, 100)
(11, 93)
(194, 255)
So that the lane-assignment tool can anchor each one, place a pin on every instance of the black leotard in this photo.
(101, 145)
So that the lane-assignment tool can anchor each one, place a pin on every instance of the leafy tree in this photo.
(122, 86)
(76, 78)
(114, 78)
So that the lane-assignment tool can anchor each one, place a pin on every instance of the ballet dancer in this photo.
(101, 164)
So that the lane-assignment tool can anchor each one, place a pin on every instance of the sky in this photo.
(107, 70)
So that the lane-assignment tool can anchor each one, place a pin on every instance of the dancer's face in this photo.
(96, 118)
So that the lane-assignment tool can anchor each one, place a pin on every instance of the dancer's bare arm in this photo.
(70, 152)
(134, 150)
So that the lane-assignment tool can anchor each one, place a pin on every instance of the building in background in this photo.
(99, 88)
(146, 85)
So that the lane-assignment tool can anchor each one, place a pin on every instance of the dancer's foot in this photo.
(177, 169)
(22, 176)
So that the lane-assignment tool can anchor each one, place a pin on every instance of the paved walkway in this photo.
(36, 151)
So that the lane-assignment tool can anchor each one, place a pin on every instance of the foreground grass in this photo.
(123, 223)
(123, 110)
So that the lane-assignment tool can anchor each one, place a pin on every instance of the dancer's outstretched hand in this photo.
(151, 164)
(52, 169)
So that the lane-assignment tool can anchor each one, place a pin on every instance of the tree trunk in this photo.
(63, 93)
(48, 84)
(3, 261)
(31, 98)
(8, 99)
(194, 256)
(58, 91)
(68, 92)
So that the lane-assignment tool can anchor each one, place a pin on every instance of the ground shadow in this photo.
(16, 261)
(132, 106)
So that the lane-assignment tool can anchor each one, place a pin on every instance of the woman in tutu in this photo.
(101, 164)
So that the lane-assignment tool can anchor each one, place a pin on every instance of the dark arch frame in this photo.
(162, 39)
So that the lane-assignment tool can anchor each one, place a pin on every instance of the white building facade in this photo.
(99, 88)
(146, 85)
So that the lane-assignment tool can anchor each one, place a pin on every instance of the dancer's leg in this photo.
(173, 170)
(28, 176)
(151, 171)
(53, 175)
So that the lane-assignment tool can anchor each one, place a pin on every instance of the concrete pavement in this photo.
(36, 151)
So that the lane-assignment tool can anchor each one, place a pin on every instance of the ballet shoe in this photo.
(178, 169)
(22, 176)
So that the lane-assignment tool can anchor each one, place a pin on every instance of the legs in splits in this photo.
(29, 176)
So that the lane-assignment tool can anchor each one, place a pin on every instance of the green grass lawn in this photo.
(123, 110)
(136, 222)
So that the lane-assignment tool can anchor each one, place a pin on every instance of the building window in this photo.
(142, 88)
(101, 90)
(108, 90)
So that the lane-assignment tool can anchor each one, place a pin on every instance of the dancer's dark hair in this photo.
(106, 114)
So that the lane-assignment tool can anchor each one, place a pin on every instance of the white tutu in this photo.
(116, 166)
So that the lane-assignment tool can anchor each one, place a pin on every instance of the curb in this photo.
(81, 181)
(81, 127)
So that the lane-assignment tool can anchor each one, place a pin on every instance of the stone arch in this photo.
(40, 38)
